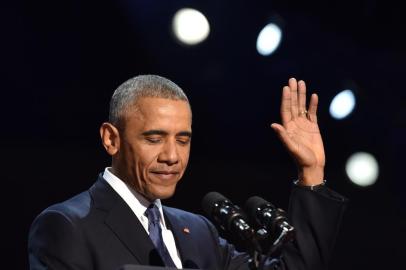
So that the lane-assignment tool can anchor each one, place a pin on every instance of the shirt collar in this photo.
(137, 202)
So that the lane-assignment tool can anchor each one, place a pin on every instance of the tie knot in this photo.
(152, 213)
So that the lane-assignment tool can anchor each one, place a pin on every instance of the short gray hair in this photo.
(128, 93)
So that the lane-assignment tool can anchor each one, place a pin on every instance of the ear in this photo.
(110, 137)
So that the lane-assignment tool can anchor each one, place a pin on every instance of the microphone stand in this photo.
(248, 235)
(286, 235)
(255, 255)
(255, 260)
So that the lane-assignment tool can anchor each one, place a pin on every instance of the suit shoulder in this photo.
(188, 216)
(77, 207)
(56, 236)
(181, 213)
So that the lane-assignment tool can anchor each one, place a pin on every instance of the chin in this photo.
(163, 193)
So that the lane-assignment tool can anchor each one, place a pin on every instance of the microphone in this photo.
(273, 219)
(230, 218)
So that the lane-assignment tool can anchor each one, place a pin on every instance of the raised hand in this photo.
(300, 132)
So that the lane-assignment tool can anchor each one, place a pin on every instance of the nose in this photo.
(169, 153)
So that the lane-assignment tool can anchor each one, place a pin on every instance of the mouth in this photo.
(165, 175)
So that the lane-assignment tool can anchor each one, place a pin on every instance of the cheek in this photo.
(185, 155)
(137, 158)
(145, 156)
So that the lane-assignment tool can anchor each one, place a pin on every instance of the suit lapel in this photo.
(183, 237)
(124, 224)
(129, 230)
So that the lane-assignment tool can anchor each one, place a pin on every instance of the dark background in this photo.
(61, 61)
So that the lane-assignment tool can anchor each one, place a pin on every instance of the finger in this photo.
(286, 113)
(284, 137)
(293, 97)
(312, 112)
(302, 97)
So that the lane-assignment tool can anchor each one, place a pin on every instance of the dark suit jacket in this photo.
(97, 230)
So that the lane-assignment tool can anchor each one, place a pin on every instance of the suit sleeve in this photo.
(316, 216)
(56, 243)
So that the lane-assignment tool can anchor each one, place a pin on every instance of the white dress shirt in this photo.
(139, 205)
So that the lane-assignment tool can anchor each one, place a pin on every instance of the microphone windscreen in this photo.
(209, 200)
(253, 204)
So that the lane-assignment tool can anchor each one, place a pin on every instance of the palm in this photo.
(299, 130)
(308, 147)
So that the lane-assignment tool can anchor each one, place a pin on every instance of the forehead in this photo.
(152, 111)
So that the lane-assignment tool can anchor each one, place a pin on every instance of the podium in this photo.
(147, 267)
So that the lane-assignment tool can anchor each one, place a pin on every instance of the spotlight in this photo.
(362, 169)
(269, 39)
(190, 26)
(342, 104)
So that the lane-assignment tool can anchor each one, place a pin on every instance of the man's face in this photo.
(155, 146)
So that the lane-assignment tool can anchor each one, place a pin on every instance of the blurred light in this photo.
(269, 39)
(190, 26)
(362, 169)
(342, 104)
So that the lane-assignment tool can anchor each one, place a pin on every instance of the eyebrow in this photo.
(163, 133)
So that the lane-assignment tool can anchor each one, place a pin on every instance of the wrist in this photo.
(310, 187)
(311, 176)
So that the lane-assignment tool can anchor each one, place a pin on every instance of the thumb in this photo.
(283, 136)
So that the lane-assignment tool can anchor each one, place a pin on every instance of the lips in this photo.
(165, 172)
(165, 175)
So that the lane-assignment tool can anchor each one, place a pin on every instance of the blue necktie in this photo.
(155, 233)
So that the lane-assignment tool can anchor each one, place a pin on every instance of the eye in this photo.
(153, 140)
(183, 140)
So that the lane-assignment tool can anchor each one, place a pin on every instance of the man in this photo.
(120, 219)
